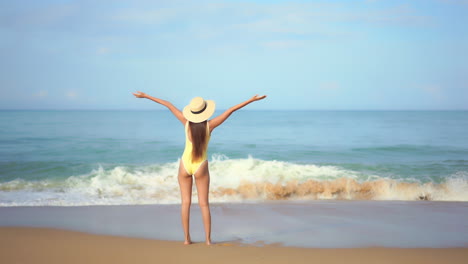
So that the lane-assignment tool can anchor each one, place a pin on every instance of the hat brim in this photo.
(198, 118)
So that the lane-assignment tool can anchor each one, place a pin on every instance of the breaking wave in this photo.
(232, 180)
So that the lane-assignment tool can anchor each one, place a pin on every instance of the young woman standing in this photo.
(194, 160)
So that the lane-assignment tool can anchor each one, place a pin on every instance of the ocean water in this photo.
(131, 157)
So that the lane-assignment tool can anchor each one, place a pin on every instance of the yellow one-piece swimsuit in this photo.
(192, 166)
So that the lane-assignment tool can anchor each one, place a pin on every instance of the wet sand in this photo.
(46, 245)
(312, 224)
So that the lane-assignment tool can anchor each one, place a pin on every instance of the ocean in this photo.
(123, 157)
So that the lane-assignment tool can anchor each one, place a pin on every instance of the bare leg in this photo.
(202, 180)
(185, 184)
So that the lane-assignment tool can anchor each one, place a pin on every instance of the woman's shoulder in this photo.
(208, 127)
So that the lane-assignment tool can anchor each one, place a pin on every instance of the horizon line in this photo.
(133, 109)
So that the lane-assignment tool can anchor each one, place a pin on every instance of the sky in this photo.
(317, 55)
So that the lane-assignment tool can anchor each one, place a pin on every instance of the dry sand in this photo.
(45, 245)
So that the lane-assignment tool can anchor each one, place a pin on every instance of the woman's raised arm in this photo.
(177, 113)
(222, 117)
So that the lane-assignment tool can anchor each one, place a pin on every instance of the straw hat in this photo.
(199, 110)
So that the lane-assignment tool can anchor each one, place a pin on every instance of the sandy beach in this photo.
(296, 232)
(311, 224)
(45, 245)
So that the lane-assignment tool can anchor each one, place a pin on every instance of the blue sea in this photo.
(86, 157)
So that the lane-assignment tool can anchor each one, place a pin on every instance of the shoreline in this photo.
(308, 224)
(47, 245)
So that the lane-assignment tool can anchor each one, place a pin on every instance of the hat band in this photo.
(201, 111)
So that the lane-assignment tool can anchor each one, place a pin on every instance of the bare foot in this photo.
(187, 242)
(208, 242)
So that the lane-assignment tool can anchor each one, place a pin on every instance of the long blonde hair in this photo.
(199, 139)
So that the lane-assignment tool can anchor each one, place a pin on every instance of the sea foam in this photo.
(232, 180)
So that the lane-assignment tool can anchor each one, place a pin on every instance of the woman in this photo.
(194, 159)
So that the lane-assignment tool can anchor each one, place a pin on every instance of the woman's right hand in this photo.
(257, 98)
(140, 94)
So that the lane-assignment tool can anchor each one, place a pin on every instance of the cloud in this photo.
(275, 25)
(329, 86)
(283, 44)
(432, 88)
(20, 17)
(459, 2)
(402, 15)
(102, 50)
(230, 48)
(144, 16)
(71, 94)
(435, 91)
(287, 25)
(40, 94)
(203, 20)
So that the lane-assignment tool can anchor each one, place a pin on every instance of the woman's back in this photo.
(197, 137)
